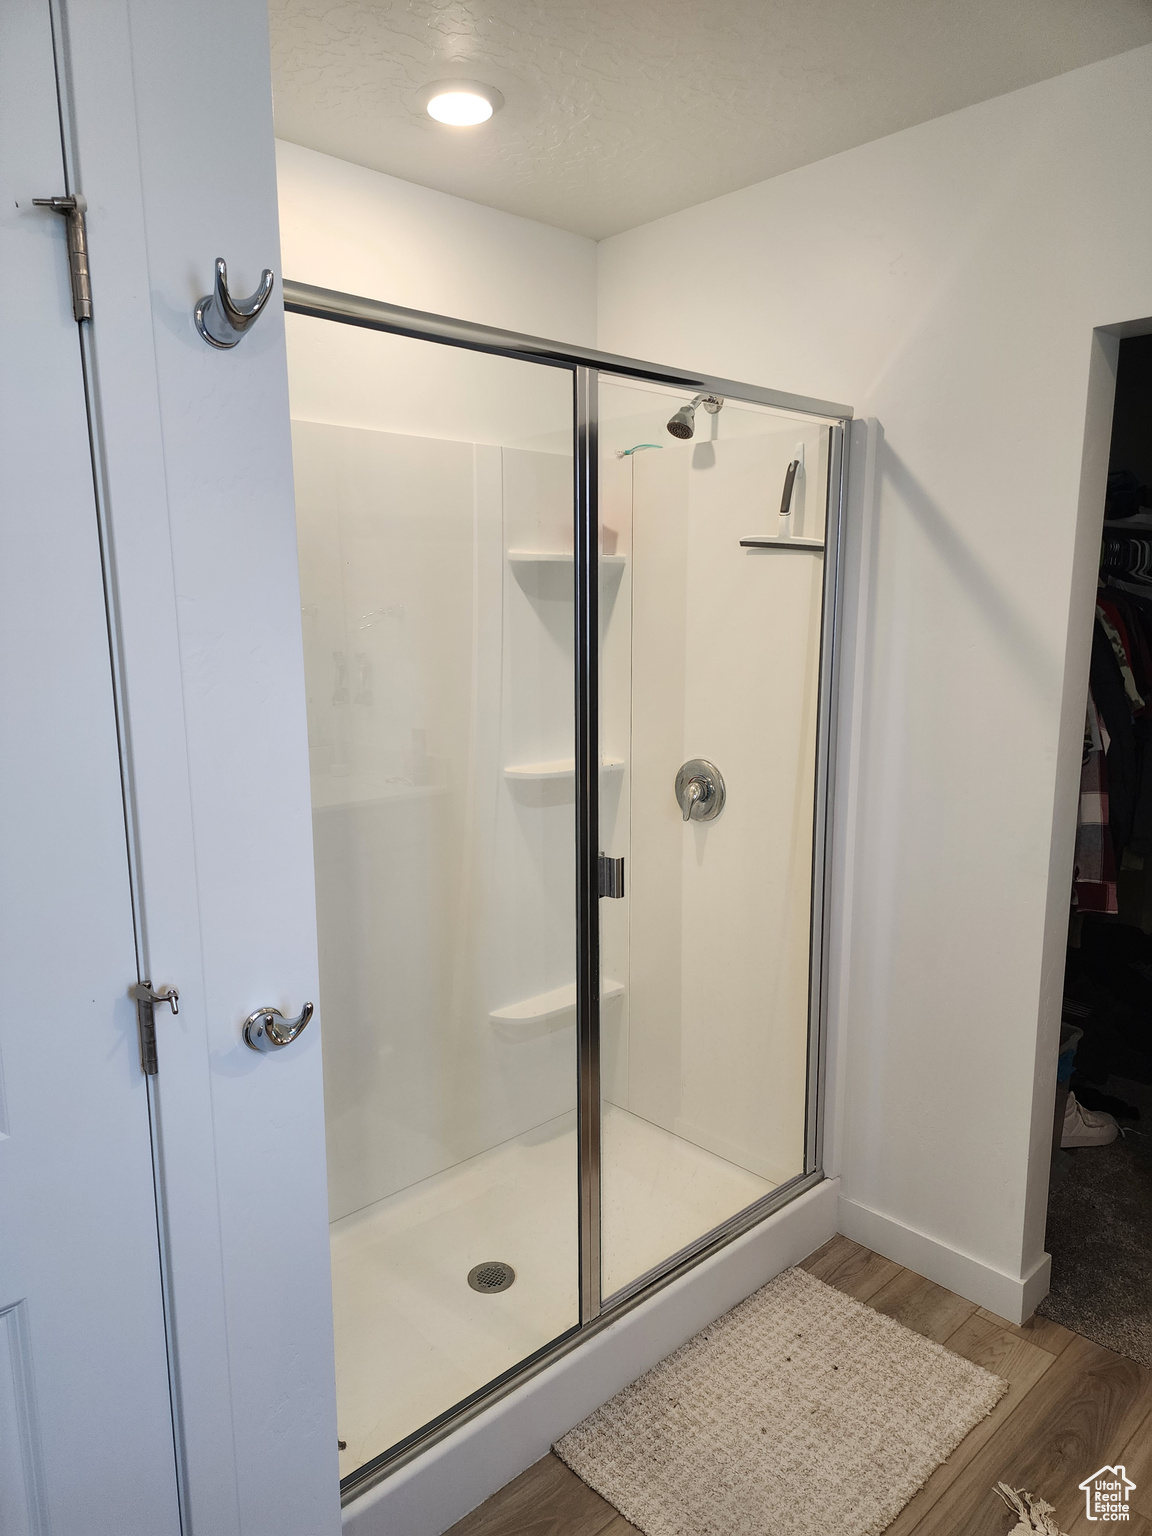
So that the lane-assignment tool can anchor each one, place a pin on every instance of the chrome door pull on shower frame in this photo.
(74, 208)
(268, 1030)
(611, 881)
(146, 996)
(221, 319)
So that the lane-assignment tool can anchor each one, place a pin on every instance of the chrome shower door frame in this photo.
(587, 685)
(586, 366)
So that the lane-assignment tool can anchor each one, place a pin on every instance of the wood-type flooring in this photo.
(1071, 1407)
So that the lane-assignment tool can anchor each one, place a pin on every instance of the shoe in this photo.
(1087, 1127)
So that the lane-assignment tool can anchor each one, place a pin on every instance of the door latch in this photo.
(146, 996)
(74, 209)
(611, 877)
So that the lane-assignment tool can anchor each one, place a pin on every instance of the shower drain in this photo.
(491, 1276)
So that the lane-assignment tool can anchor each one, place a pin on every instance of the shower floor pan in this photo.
(413, 1338)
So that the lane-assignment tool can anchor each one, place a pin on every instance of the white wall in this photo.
(946, 281)
(358, 231)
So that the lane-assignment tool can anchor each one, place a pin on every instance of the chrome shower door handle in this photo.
(268, 1030)
(220, 318)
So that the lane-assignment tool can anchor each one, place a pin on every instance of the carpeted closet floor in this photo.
(1100, 1235)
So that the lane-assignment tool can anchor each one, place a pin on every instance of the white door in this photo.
(86, 1442)
(171, 106)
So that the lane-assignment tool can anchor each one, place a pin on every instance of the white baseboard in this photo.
(436, 1490)
(1014, 1297)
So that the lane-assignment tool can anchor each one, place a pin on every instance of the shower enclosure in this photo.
(569, 660)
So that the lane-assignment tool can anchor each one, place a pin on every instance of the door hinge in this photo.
(611, 877)
(146, 996)
(73, 209)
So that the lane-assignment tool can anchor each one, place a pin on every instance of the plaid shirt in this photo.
(1094, 889)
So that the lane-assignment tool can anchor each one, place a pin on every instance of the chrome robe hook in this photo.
(220, 319)
(268, 1030)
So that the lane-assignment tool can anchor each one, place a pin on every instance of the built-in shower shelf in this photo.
(551, 1009)
(557, 557)
(565, 768)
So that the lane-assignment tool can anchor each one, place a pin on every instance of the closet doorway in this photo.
(1099, 1230)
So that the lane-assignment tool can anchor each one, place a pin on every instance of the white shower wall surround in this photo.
(445, 887)
(427, 621)
(712, 650)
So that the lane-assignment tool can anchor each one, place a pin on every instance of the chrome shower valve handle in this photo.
(694, 792)
(220, 318)
(268, 1030)
(700, 790)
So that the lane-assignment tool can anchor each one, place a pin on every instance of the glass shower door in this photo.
(711, 606)
(434, 491)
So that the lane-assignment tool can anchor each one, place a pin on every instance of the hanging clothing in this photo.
(1113, 626)
(1139, 589)
(1132, 608)
(1133, 620)
(1112, 706)
(1094, 888)
(1125, 555)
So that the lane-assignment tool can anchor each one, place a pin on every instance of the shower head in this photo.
(683, 423)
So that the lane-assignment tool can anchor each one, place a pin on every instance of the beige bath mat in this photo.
(799, 1413)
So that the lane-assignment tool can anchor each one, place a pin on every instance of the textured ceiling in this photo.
(619, 111)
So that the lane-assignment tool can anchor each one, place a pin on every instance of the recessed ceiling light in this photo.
(461, 103)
